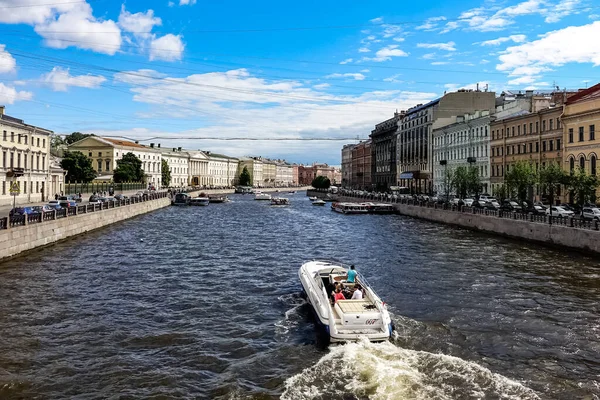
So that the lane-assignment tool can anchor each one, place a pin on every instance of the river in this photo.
(204, 302)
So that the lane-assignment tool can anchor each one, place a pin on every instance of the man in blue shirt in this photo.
(351, 275)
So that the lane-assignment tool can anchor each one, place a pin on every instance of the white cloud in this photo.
(355, 76)
(440, 63)
(393, 78)
(500, 40)
(428, 56)
(168, 48)
(187, 2)
(346, 61)
(364, 50)
(8, 95)
(554, 49)
(386, 54)
(140, 23)
(431, 23)
(60, 80)
(484, 61)
(376, 20)
(391, 30)
(365, 70)
(523, 80)
(450, 46)
(398, 39)
(322, 86)
(7, 61)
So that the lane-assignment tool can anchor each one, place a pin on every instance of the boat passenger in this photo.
(351, 275)
(339, 295)
(358, 294)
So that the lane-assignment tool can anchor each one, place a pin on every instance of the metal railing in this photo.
(572, 222)
(37, 218)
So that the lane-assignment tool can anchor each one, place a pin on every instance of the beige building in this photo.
(346, 179)
(105, 152)
(284, 175)
(25, 147)
(581, 117)
(269, 173)
(255, 168)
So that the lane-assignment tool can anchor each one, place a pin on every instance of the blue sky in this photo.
(182, 70)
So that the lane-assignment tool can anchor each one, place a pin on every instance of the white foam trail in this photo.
(384, 371)
(285, 325)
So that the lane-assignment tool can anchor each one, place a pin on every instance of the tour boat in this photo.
(280, 201)
(319, 203)
(350, 208)
(344, 320)
(199, 201)
(313, 198)
(218, 199)
(380, 208)
(262, 196)
(181, 199)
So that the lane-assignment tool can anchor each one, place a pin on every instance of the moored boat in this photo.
(280, 201)
(380, 208)
(262, 196)
(319, 203)
(313, 198)
(344, 320)
(199, 201)
(350, 208)
(181, 199)
(218, 199)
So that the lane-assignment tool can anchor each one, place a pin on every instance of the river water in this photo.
(204, 302)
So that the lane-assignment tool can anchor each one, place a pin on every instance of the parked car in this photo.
(592, 213)
(535, 210)
(120, 197)
(494, 204)
(22, 211)
(469, 202)
(559, 211)
(67, 201)
(511, 206)
(42, 209)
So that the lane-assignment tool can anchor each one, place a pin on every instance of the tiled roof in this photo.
(586, 94)
(127, 143)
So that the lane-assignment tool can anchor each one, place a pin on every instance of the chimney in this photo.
(159, 145)
(174, 149)
(151, 145)
(179, 149)
(477, 87)
(136, 142)
(1, 111)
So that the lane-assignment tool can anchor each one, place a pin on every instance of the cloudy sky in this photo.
(183, 72)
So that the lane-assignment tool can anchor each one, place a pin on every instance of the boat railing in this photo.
(332, 261)
(365, 282)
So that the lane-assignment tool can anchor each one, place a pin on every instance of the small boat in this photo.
(319, 203)
(181, 199)
(218, 199)
(380, 208)
(199, 201)
(313, 198)
(350, 208)
(344, 320)
(292, 192)
(280, 201)
(262, 196)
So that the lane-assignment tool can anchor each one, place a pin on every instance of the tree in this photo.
(165, 172)
(78, 166)
(321, 182)
(503, 192)
(245, 178)
(520, 178)
(460, 181)
(129, 169)
(76, 137)
(550, 178)
(474, 185)
(583, 186)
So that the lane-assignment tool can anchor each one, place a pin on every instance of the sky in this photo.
(188, 72)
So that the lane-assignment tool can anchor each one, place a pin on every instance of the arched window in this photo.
(593, 165)
(571, 164)
(582, 162)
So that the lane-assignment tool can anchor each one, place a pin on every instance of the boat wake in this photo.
(385, 371)
(292, 317)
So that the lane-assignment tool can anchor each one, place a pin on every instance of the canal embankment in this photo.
(569, 233)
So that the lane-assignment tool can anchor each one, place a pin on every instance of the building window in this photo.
(544, 145)
(557, 123)
(38, 142)
(37, 163)
(107, 165)
(90, 154)
(19, 160)
(512, 131)
(571, 164)
(3, 187)
(551, 144)
(12, 160)
(31, 187)
(18, 138)
(518, 149)
(512, 150)
(537, 147)
(25, 162)
(543, 125)
(551, 122)
(44, 143)
(44, 162)
(537, 126)
(99, 154)
(12, 136)
(570, 135)
(582, 162)
(519, 130)
(581, 133)
(4, 136)
(3, 159)
(531, 147)
(99, 165)
(531, 127)
(25, 137)
(24, 187)
(593, 165)
(592, 132)
(37, 186)
(557, 144)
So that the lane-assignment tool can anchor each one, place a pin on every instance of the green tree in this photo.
(448, 182)
(129, 169)
(321, 182)
(550, 178)
(165, 172)
(460, 181)
(76, 137)
(582, 186)
(520, 178)
(78, 166)
(503, 192)
(245, 178)
(474, 184)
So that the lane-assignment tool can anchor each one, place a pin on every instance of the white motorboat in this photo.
(319, 203)
(262, 196)
(280, 201)
(199, 201)
(313, 198)
(350, 208)
(344, 320)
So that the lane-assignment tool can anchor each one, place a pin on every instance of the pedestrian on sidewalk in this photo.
(56, 196)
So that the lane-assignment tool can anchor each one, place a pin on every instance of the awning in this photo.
(406, 175)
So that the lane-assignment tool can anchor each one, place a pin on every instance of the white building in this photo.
(222, 170)
(198, 168)
(284, 175)
(105, 152)
(178, 162)
(27, 147)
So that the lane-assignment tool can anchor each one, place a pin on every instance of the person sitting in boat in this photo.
(351, 278)
(358, 293)
(338, 294)
(336, 285)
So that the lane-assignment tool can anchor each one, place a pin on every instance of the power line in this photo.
(44, 5)
(235, 138)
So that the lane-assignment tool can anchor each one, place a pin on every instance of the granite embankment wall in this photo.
(586, 240)
(19, 239)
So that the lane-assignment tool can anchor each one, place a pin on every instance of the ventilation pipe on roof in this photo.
(159, 145)
(136, 142)
(151, 145)
(179, 149)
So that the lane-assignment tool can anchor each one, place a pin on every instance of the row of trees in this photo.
(520, 180)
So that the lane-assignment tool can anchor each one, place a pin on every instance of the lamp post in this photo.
(446, 188)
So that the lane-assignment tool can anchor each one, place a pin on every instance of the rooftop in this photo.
(120, 142)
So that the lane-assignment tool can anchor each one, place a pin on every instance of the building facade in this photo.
(284, 174)
(581, 117)
(383, 153)
(347, 165)
(25, 147)
(197, 168)
(222, 170)
(306, 174)
(179, 165)
(361, 166)
(255, 168)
